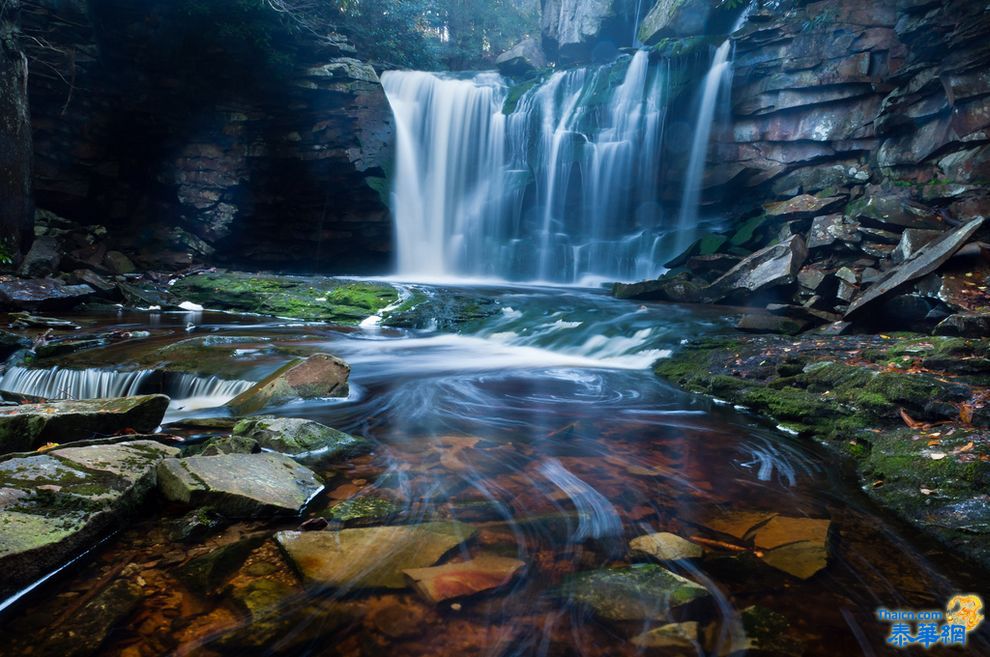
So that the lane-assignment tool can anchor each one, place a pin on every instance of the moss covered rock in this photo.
(297, 436)
(320, 375)
(295, 297)
(637, 593)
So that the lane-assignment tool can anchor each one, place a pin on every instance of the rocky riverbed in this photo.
(500, 467)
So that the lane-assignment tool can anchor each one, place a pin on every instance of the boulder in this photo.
(31, 425)
(574, 26)
(12, 342)
(770, 267)
(118, 263)
(296, 436)
(42, 259)
(373, 557)
(928, 259)
(54, 505)
(664, 546)
(887, 209)
(912, 239)
(484, 573)
(829, 229)
(522, 59)
(41, 294)
(965, 325)
(674, 18)
(320, 375)
(641, 592)
(240, 485)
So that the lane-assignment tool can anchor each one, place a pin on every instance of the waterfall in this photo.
(563, 189)
(717, 85)
(60, 383)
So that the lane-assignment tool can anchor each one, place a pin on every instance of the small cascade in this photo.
(716, 92)
(563, 189)
(59, 383)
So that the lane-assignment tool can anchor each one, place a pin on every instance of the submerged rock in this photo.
(664, 546)
(296, 436)
(457, 580)
(30, 425)
(320, 375)
(682, 636)
(364, 510)
(636, 593)
(373, 557)
(87, 629)
(53, 505)
(240, 485)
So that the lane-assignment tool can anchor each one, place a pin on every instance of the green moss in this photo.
(515, 95)
(313, 299)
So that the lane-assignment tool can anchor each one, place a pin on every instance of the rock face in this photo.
(320, 375)
(295, 436)
(674, 18)
(16, 209)
(572, 28)
(240, 485)
(370, 558)
(523, 58)
(53, 505)
(28, 426)
(283, 168)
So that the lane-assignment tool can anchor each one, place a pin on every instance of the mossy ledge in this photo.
(321, 299)
(932, 467)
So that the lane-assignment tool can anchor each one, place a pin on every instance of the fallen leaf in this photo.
(911, 422)
(937, 456)
(966, 413)
(968, 447)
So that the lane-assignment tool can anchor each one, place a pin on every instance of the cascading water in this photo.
(562, 189)
(55, 383)
(716, 87)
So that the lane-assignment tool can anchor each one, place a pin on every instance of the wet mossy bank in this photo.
(910, 412)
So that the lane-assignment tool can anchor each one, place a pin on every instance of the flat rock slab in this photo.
(298, 436)
(240, 485)
(41, 294)
(53, 505)
(926, 260)
(373, 557)
(636, 593)
(25, 427)
(320, 375)
(458, 580)
(664, 546)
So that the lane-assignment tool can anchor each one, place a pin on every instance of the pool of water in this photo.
(544, 428)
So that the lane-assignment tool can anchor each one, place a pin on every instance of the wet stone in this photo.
(30, 425)
(664, 546)
(295, 436)
(365, 510)
(240, 485)
(372, 557)
(636, 593)
(683, 636)
(320, 375)
(457, 580)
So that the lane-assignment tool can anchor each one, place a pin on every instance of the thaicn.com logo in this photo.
(928, 628)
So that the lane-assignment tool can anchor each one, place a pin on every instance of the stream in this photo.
(543, 427)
